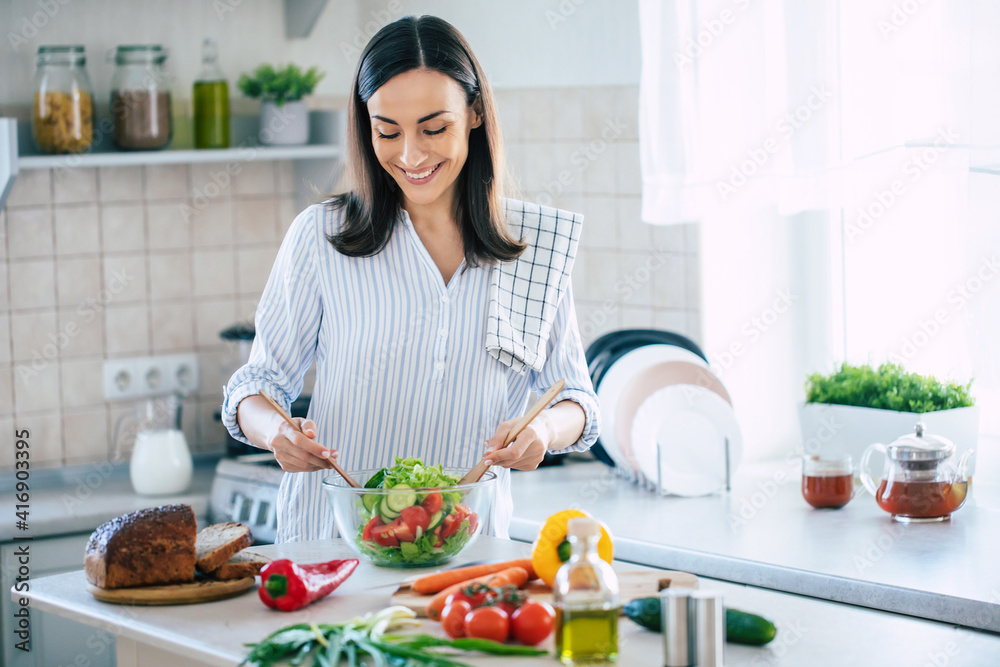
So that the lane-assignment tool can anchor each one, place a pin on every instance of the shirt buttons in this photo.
(443, 333)
(444, 299)
(439, 366)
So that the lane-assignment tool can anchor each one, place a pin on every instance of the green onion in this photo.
(330, 645)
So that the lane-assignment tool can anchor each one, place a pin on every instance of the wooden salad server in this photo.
(480, 468)
(288, 418)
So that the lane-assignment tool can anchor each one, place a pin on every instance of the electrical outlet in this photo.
(140, 377)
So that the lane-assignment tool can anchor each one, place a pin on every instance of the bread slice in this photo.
(243, 564)
(219, 542)
(154, 546)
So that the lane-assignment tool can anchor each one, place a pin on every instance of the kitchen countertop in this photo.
(763, 533)
(78, 499)
(809, 631)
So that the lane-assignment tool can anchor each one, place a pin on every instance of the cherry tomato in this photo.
(509, 598)
(475, 594)
(488, 623)
(453, 618)
(532, 622)
(432, 502)
(366, 535)
(401, 531)
(384, 536)
(416, 516)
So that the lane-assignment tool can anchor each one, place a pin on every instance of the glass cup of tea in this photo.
(827, 481)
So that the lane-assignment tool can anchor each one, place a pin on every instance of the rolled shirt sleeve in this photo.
(287, 323)
(565, 359)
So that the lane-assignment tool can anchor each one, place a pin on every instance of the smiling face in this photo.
(420, 133)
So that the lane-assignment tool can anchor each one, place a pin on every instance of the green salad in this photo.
(414, 521)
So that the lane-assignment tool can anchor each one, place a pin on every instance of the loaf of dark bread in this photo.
(154, 546)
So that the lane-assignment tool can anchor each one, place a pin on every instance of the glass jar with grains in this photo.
(140, 98)
(62, 118)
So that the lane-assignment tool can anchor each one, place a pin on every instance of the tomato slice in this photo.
(383, 536)
(416, 516)
(473, 522)
(432, 502)
(450, 526)
(366, 535)
(402, 531)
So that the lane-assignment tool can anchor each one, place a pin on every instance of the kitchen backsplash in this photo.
(100, 263)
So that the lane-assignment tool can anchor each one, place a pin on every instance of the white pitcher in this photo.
(161, 461)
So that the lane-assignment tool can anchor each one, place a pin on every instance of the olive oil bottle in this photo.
(211, 102)
(585, 594)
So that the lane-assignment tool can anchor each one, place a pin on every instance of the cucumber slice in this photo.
(436, 520)
(370, 500)
(387, 514)
(400, 497)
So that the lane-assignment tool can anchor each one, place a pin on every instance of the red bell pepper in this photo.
(288, 586)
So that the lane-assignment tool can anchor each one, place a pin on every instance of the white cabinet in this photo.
(55, 641)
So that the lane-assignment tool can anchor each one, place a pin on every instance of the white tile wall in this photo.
(105, 263)
(578, 149)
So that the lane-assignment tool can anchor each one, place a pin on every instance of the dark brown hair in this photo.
(372, 207)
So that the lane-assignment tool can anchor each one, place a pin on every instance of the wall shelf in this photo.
(182, 156)
(317, 164)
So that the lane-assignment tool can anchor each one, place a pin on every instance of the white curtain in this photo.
(840, 151)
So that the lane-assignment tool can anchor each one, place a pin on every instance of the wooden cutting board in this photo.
(631, 585)
(203, 590)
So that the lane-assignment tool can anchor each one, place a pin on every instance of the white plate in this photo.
(617, 379)
(691, 425)
(645, 383)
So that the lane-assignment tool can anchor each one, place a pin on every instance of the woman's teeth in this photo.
(421, 174)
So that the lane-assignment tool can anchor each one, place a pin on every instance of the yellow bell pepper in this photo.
(551, 548)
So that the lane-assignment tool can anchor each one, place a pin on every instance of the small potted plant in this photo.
(855, 406)
(284, 118)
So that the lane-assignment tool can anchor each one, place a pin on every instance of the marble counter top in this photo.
(820, 634)
(763, 533)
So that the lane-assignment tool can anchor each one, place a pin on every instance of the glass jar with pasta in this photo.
(62, 118)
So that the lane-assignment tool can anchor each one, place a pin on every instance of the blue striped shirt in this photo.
(401, 364)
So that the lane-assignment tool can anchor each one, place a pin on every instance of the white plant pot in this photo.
(287, 125)
(845, 429)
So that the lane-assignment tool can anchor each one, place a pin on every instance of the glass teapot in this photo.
(920, 482)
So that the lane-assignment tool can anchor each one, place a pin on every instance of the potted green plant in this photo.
(284, 118)
(855, 406)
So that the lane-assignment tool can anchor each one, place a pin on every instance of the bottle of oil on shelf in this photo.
(211, 102)
(586, 600)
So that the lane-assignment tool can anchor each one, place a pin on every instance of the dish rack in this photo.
(636, 477)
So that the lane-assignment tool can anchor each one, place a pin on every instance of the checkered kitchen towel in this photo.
(524, 293)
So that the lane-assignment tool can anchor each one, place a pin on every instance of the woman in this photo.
(431, 306)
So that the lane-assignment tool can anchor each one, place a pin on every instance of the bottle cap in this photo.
(583, 527)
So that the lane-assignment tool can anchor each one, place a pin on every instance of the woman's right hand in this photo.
(299, 452)
(294, 451)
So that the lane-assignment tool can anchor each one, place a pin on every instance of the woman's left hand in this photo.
(527, 450)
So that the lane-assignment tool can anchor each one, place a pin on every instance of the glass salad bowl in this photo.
(404, 525)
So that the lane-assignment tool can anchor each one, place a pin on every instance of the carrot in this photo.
(437, 582)
(516, 576)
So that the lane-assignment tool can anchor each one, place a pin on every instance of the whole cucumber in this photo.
(741, 627)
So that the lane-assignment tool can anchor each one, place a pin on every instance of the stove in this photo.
(245, 489)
